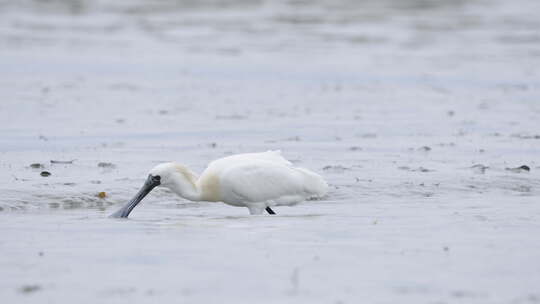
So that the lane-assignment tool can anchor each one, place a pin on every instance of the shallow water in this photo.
(416, 112)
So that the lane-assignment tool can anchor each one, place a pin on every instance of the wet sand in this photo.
(418, 114)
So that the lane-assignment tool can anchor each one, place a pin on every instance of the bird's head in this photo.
(167, 175)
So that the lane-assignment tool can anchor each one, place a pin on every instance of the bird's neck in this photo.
(186, 186)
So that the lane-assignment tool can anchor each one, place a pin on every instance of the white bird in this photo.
(257, 181)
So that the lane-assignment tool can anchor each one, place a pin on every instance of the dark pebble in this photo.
(29, 288)
(64, 162)
(106, 165)
(520, 169)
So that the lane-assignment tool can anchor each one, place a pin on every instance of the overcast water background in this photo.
(416, 112)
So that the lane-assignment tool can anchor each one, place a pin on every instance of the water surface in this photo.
(416, 112)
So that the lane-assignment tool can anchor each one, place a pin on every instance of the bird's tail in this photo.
(314, 185)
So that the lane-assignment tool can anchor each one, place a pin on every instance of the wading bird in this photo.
(257, 181)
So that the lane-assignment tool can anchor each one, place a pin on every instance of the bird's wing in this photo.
(263, 181)
(274, 156)
(225, 162)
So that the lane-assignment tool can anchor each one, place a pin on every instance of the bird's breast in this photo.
(209, 186)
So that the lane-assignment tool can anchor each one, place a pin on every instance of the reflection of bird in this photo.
(253, 180)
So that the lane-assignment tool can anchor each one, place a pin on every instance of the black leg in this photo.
(269, 210)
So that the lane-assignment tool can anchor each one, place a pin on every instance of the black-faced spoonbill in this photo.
(257, 181)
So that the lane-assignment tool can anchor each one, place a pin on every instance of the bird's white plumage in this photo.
(252, 180)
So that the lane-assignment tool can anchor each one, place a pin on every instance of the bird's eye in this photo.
(154, 179)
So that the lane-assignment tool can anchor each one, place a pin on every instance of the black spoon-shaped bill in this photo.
(150, 183)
